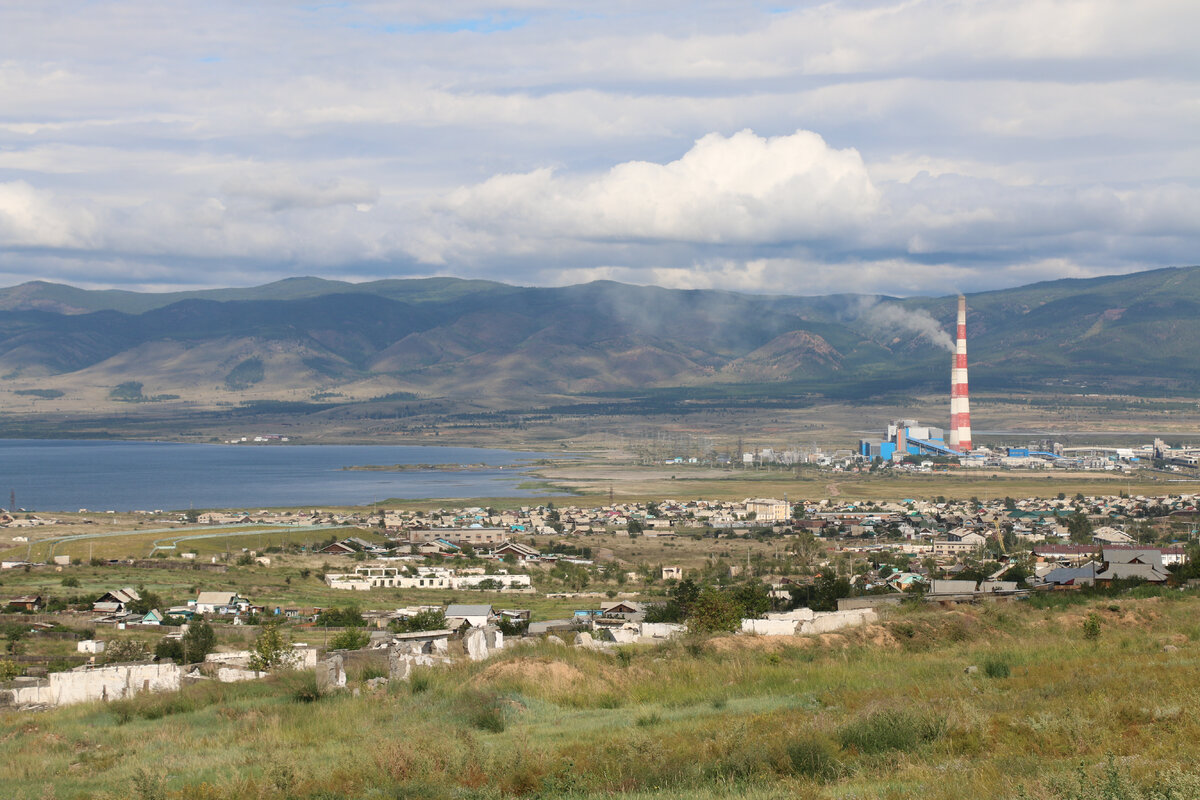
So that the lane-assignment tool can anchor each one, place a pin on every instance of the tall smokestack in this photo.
(960, 405)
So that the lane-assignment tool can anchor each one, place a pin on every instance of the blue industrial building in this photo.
(907, 437)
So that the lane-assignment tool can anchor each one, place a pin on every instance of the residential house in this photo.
(435, 547)
(623, 609)
(116, 601)
(31, 602)
(473, 616)
(1131, 564)
(1107, 535)
(219, 603)
(519, 551)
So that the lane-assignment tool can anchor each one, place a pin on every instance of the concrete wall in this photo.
(869, 601)
(95, 683)
(770, 627)
(796, 614)
(831, 621)
(235, 674)
(660, 630)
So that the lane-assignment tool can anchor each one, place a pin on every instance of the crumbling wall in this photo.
(82, 685)
(836, 620)
(770, 627)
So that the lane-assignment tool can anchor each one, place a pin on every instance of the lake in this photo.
(63, 475)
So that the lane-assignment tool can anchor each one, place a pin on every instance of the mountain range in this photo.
(309, 338)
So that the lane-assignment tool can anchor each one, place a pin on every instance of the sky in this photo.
(904, 148)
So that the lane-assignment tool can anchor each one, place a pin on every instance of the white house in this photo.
(219, 603)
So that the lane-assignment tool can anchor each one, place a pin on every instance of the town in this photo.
(462, 579)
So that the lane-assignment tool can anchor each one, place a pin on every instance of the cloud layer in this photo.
(886, 147)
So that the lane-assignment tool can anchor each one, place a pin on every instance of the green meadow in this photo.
(1050, 709)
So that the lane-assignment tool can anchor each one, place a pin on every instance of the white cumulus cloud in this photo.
(742, 188)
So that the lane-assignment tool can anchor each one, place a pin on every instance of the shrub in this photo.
(485, 711)
(1091, 626)
(302, 686)
(419, 682)
(429, 620)
(995, 667)
(714, 612)
(121, 650)
(813, 757)
(147, 785)
(199, 641)
(71, 582)
(893, 729)
(350, 639)
(168, 648)
(347, 617)
(270, 650)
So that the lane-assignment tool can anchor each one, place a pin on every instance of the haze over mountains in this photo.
(445, 337)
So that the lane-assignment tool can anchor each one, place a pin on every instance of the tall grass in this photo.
(856, 715)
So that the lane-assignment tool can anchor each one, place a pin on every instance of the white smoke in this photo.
(889, 317)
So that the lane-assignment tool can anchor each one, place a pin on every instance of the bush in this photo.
(168, 648)
(270, 651)
(431, 620)
(814, 758)
(71, 582)
(350, 639)
(347, 617)
(121, 650)
(714, 612)
(199, 641)
(1091, 626)
(419, 682)
(893, 729)
(995, 667)
(488, 714)
(302, 686)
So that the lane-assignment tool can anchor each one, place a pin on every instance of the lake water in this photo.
(65, 475)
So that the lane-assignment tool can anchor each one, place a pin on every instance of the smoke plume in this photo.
(888, 317)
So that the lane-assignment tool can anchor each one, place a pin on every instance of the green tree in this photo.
(827, 590)
(146, 602)
(121, 650)
(198, 641)
(685, 593)
(1079, 527)
(270, 650)
(714, 612)
(343, 617)
(753, 599)
(350, 639)
(429, 620)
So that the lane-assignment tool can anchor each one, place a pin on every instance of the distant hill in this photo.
(456, 338)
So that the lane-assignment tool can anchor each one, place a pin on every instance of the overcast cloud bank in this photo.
(879, 147)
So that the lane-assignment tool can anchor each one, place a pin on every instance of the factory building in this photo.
(906, 437)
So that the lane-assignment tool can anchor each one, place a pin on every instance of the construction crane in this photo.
(1000, 537)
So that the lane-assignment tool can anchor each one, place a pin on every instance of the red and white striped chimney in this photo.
(960, 404)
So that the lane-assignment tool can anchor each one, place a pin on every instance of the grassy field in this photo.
(886, 711)
(204, 541)
(290, 581)
(635, 483)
